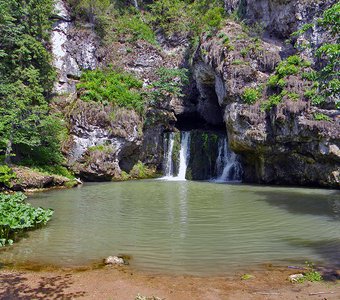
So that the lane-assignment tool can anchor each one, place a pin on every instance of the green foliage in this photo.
(311, 275)
(110, 86)
(331, 19)
(133, 26)
(6, 175)
(275, 81)
(17, 216)
(329, 55)
(26, 81)
(293, 96)
(247, 276)
(251, 95)
(90, 10)
(101, 148)
(321, 117)
(273, 100)
(169, 84)
(186, 17)
(244, 52)
(213, 17)
(54, 170)
(311, 76)
(140, 171)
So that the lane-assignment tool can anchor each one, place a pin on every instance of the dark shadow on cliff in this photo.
(299, 203)
(16, 286)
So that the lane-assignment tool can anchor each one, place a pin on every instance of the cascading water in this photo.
(184, 155)
(228, 167)
(168, 147)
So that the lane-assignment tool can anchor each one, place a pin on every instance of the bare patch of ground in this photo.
(126, 284)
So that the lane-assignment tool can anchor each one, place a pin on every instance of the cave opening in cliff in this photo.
(207, 113)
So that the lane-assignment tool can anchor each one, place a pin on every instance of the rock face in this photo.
(281, 145)
(73, 49)
(284, 145)
(102, 140)
(28, 179)
(277, 17)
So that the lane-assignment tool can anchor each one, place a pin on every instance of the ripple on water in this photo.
(184, 227)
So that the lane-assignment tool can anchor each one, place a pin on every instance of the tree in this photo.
(26, 78)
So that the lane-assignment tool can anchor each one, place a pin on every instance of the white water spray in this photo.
(169, 146)
(228, 167)
(184, 155)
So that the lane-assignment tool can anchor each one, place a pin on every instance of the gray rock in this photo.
(114, 260)
(295, 277)
(73, 49)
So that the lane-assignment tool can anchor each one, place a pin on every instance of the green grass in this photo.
(321, 117)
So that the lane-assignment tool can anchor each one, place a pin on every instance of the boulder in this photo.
(114, 260)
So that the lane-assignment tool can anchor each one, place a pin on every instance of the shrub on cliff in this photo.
(329, 56)
(110, 86)
(17, 216)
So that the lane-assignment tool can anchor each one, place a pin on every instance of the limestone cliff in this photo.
(283, 144)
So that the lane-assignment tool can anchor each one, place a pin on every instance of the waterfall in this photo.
(184, 155)
(228, 167)
(168, 147)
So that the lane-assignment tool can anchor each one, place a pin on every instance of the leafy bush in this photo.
(272, 101)
(140, 171)
(17, 216)
(110, 86)
(250, 95)
(54, 170)
(311, 275)
(321, 117)
(169, 84)
(213, 17)
(329, 55)
(293, 96)
(6, 175)
(135, 28)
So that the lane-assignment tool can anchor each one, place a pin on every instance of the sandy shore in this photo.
(125, 284)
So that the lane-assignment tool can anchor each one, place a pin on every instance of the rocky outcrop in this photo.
(73, 49)
(102, 139)
(282, 145)
(27, 179)
(278, 18)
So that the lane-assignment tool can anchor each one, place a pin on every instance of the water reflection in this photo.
(184, 227)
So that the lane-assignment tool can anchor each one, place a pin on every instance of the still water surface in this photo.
(185, 227)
